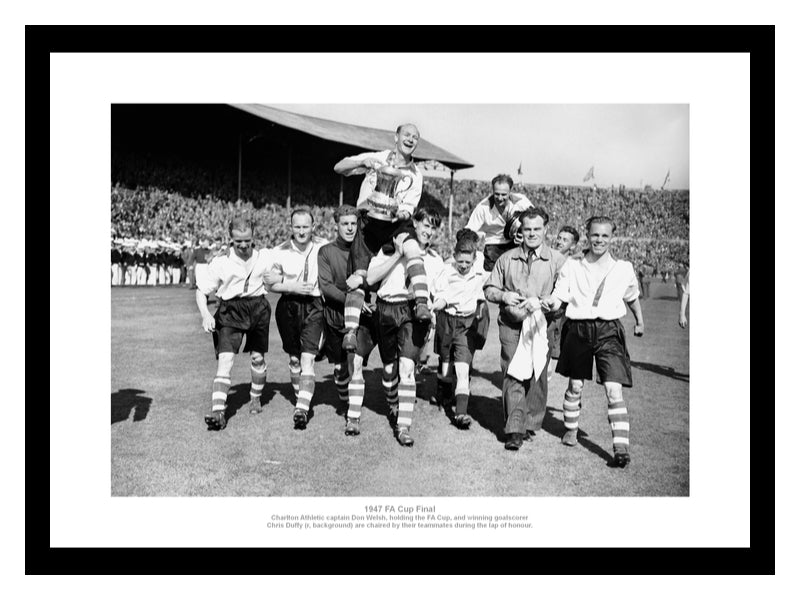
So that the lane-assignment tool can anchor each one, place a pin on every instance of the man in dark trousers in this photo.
(520, 278)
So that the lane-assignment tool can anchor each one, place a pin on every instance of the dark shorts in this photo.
(366, 336)
(554, 334)
(399, 335)
(455, 337)
(491, 252)
(371, 236)
(300, 323)
(605, 341)
(239, 316)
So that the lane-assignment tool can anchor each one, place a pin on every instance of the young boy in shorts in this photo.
(457, 290)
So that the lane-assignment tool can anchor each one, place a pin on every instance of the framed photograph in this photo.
(546, 389)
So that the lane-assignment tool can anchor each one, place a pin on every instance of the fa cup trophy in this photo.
(391, 182)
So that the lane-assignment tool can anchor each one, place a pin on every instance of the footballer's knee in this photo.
(613, 391)
(307, 363)
(406, 370)
(411, 249)
(294, 362)
(257, 361)
(575, 386)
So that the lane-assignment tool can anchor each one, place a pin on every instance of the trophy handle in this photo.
(408, 187)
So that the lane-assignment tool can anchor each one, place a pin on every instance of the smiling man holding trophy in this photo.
(389, 195)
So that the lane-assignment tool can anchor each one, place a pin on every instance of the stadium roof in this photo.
(353, 135)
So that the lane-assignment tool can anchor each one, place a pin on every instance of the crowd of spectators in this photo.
(162, 203)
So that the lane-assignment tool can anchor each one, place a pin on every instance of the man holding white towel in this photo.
(520, 279)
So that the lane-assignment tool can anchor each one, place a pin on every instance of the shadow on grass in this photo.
(239, 396)
(126, 401)
(488, 413)
(661, 370)
(495, 377)
(556, 428)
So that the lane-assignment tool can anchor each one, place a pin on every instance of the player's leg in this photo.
(294, 374)
(444, 381)
(415, 268)
(618, 419)
(614, 370)
(572, 411)
(391, 382)
(463, 349)
(355, 391)
(407, 396)
(219, 391)
(306, 392)
(258, 378)
(462, 419)
(341, 379)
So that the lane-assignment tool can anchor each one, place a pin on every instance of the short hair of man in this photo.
(400, 127)
(466, 241)
(572, 231)
(241, 223)
(532, 213)
(345, 210)
(302, 210)
(601, 220)
(503, 178)
(429, 213)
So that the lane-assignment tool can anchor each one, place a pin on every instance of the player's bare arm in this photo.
(350, 166)
(636, 309)
(202, 304)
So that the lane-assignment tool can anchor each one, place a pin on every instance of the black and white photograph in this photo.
(403, 301)
(400, 300)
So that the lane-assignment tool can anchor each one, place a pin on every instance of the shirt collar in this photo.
(340, 243)
(542, 252)
(233, 256)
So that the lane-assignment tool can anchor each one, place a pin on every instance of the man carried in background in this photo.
(389, 195)
(243, 311)
(596, 289)
(490, 215)
(299, 311)
(348, 366)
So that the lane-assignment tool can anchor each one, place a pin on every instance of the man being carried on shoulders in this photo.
(389, 195)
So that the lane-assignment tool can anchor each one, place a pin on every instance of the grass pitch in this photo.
(162, 364)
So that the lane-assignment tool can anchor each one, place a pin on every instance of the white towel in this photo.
(531, 354)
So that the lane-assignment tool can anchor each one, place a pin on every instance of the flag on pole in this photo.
(666, 179)
(589, 175)
(519, 169)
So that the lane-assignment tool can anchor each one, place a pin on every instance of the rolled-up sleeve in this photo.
(632, 291)
(497, 276)
(561, 290)
(214, 278)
